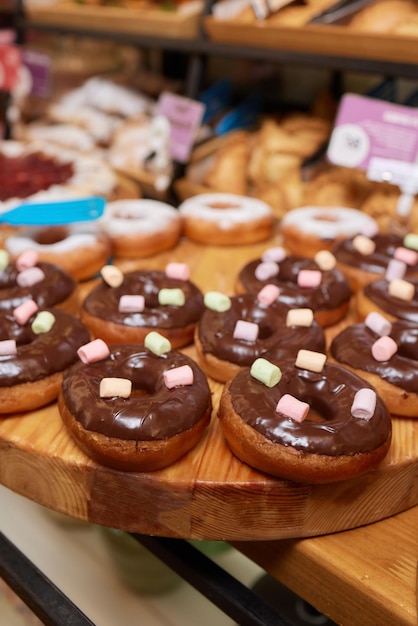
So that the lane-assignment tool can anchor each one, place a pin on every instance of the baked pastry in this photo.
(37, 345)
(124, 308)
(135, 408)
(307, 421)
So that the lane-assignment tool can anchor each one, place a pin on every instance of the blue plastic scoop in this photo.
(55, 212)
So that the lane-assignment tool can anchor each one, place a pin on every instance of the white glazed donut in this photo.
(80, 248)
(308, 229)
(226, 219)
(141, 228)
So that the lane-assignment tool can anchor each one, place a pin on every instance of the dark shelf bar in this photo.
(46, 601)
(244, 606)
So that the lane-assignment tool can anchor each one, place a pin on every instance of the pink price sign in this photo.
(366, 128)
(185, 116)
(10, 60)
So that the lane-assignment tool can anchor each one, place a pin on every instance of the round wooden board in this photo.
(208, 494)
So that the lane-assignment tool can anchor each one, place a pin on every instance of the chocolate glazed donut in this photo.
(100, 310)
(329, 445)
(149, 430)
(32, 377)
(222, 356)
(395, 379)
(329, 301)
(57, 289)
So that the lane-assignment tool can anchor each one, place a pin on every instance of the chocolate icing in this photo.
(103, 301)
(333, 291)
(275, 338)
(352, 347)
(152, 411)
(378, 293)
(329, 393)
(56, 287)
(40, 355)
(377, 262)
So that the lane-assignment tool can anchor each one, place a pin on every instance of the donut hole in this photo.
(325, 217)
(223, 205)
(51, 235)
(320, 410)
(140, 392)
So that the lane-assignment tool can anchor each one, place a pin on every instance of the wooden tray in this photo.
(209, 494)
(333, 40)
(154, 22)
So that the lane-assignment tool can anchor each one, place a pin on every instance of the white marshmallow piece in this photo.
(325, 260)
(364, 244)
(266, 270)
(378, 324)
(402, 289)
(131, 304)
(115, 388)
(395, 269)
(364, 404)
(310, 360)
(8, 347)
(112, 275)
(300, 317)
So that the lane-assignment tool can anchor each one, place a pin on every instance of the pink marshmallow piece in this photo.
(384, 348)
(276, 254)
(180, 271)
(292, 407)
(24, 311)
(131, 304)
(364, 404)
(30, 276)
(178, 376)
(266, 270)
(246, 330)
(268, 294)
(410, 257)
(309, 278)
(395, 269)
(27, 259)
(8, 347)
(378, 324)
(96, 350)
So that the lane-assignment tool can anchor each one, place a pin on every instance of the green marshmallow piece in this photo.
(4, 259)
(43, 322)
(175, 297)
(411, 241)
(217, 301)
(156, 343)
(266, 372)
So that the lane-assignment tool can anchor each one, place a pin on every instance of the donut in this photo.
(46, 284)
(328, 294)
(79, 248)
(394, 299)
(224, 342)
(171, 306)
(299, 423)
(388, 361)
(226, 219)
(146, 427)
(141, 228)
(34, 355)
(363, 260)
(309, 229)
(38, 171)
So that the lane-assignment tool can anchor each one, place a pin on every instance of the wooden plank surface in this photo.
(331, 40)
(208, 494)
(362, 577)
(154, 22)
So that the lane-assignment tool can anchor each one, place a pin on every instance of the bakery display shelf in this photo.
(136, 21)
(208, 494)
(318, 39)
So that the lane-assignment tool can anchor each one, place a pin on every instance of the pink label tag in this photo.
(366, 128)
(38, 65)
(185, 116)
(10, 60)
